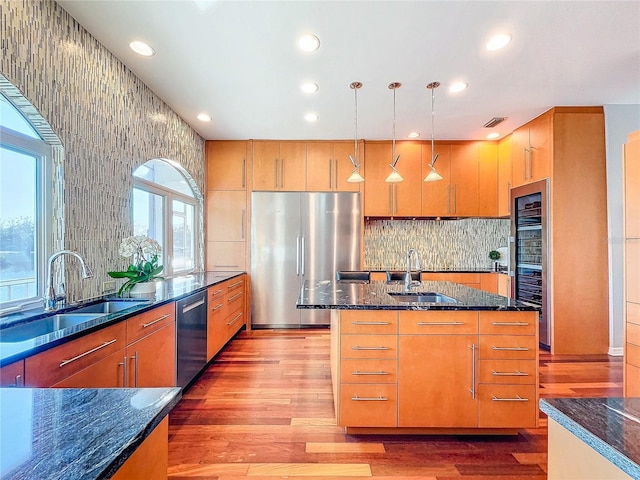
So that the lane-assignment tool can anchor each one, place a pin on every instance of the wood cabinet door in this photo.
(436, 381)
(265, 164)
(464, 179)
(107, 373)
(344, 167)
(504, 177)
(150, 459)
(226, 216)
(632, 188)
(152, 359)
(320, 166)
(226, 256)
(489, 282)
(519, 156)
(293, 166)
(377, 193)
(488, 179)
(540, 131)
(408, 194)
(436, 196)
(227, 164)
(504, 285)
(12, 375)
(632, 273)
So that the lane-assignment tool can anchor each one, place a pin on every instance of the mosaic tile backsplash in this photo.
(442, 244)
(107, 121)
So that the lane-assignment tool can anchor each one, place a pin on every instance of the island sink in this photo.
(422, 297)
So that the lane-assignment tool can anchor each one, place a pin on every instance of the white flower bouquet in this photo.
(143, 252)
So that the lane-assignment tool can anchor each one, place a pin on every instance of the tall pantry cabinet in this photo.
(631, 181)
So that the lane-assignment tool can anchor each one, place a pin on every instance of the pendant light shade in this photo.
(433, 175)
(355, 176)
(394, 176)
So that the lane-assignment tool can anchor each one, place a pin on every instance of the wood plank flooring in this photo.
(264, 410)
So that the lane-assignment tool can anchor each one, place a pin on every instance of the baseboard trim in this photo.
(616, 351)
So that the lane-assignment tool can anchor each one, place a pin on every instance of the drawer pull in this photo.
(510, 374)
(517, 399)
(88, 352)
(370, 323)
(233, 285)
(237, 295)
(145, 325)
(511, 324)
(225, 266)
(356, 347)
(369, 399)
(18, 383)
(511, 349)
(217, 292)
(217, 307)
(234, 320)
(422, 324)
(380, 372)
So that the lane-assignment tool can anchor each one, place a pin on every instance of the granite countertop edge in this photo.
(166, 291)
(589, 438)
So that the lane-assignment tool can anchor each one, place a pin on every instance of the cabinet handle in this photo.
(369, 399)
(234, 320)
(370, 323)
(217, 307)
(282, 173)
(510, 324)
(244, 161)
(509, 197)
(88, 352)
(234, 285)
(455, 198)
(390, 203)
(226, 266)
(424, 324)
(517, 399)
(448, 198)
(473, 371)
(231, 299)
(275, 173)
(509, 374)
(530, 162)
(511, 349)
(335, 176)
(380, 372)
(524, 162)
(217, 292)
(18, 383)
(145, 325)
(242, 225)
(330, 174)
(124, 371)
(135, 365)
(356, 347)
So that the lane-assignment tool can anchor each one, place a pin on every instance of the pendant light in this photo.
(433, 175)
(355, 176)
(394, 176)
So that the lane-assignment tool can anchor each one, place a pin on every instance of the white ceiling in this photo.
(238, 61)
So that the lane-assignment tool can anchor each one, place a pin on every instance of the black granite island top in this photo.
(611, 426)
(69, 434)
(328, 294)
(166, 291)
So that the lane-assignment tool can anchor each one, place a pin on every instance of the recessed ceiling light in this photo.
(311, 117)
(142, 48)
(308, 42)
(493, 135)
(498, 41)
(203, 117)
(457, 87)
(413, 135)
(309, 87)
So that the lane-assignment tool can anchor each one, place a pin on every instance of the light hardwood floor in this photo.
(264, 410)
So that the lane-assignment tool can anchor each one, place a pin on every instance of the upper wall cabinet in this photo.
(329, 167)
(532, 151)
(279, 165)
(504, 177)
(436, 196)
(487, 179)
(464, 179)
(227, 164)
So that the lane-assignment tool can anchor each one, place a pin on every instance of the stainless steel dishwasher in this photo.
(191, 337)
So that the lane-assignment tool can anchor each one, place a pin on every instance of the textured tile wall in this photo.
(442, 244)
(107, 121)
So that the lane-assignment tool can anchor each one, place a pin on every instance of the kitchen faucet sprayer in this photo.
(51, 299)
(408, 282)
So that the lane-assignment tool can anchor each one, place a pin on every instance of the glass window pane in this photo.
(162, 173)
(13, 119)
(183, 220)
(148, 218)
(18, 214)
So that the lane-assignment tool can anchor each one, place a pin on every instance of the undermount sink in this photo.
(44, 326)
(422, 297)
(110, 306)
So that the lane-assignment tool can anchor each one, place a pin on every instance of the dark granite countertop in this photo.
(443, 270)
(373, 296)
(68, 434)
(166, 291)
(611, 426)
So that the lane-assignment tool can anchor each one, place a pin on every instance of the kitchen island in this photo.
(458, 360)
(84, 433)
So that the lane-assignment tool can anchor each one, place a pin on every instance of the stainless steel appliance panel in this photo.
(191, 337)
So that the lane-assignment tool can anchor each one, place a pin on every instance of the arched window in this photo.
(166, 206)
(26, 219)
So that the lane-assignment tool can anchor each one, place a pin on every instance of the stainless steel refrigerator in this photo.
(298, 236)
(529, 259)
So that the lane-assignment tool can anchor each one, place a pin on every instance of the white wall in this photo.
(620, 120)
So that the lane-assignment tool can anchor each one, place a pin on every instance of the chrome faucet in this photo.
(51, 299)
(408, 282)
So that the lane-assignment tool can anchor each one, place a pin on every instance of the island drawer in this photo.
(507, 406)
(508, 371)
(233, 322)
(234, 299)
(633, 354)
(148, 322)
(508, 346)
(368, 371)
(368, 346)
(369, 322)
(508, 323)
(438, 322)
(215, 292)
(234, 284)
(370, 405)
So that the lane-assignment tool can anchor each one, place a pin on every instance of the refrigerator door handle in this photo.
(303, 257)
(298, 255)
